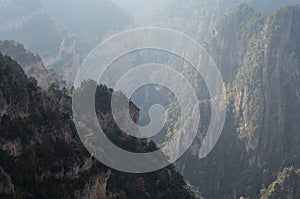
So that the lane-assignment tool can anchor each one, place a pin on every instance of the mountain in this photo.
(31, 63)
(133, 6)
(258, 56)
(267, 5)
(197, 18)
(90, 20)
(192, 17)
(42, 156)
(61, 38)
(28, 23)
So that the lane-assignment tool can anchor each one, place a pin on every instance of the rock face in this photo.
(95, 188)
(42, 156)
(262, 66)
(258, 56)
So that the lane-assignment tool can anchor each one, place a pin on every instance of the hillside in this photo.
(42, 156)
(31, 63)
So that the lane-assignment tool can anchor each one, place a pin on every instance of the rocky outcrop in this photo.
(287, 185)
(258, 56)
(96, 188)
(260, 65)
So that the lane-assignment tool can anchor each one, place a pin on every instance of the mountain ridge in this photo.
(258, 56)
(43, 157)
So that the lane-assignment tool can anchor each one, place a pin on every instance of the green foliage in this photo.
(62, 97)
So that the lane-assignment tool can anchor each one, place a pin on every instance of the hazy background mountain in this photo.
(89, 20)
(196, 17)
(133, 7)
(267, 6)
(28, 23)
(62, 32)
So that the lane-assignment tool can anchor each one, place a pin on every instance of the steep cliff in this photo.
(258, 56)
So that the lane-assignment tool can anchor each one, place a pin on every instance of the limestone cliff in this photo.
(258, 56)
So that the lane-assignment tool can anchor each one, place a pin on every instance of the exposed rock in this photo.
(287, 186)
(258, 56)
(95, 188)
(13, 148)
